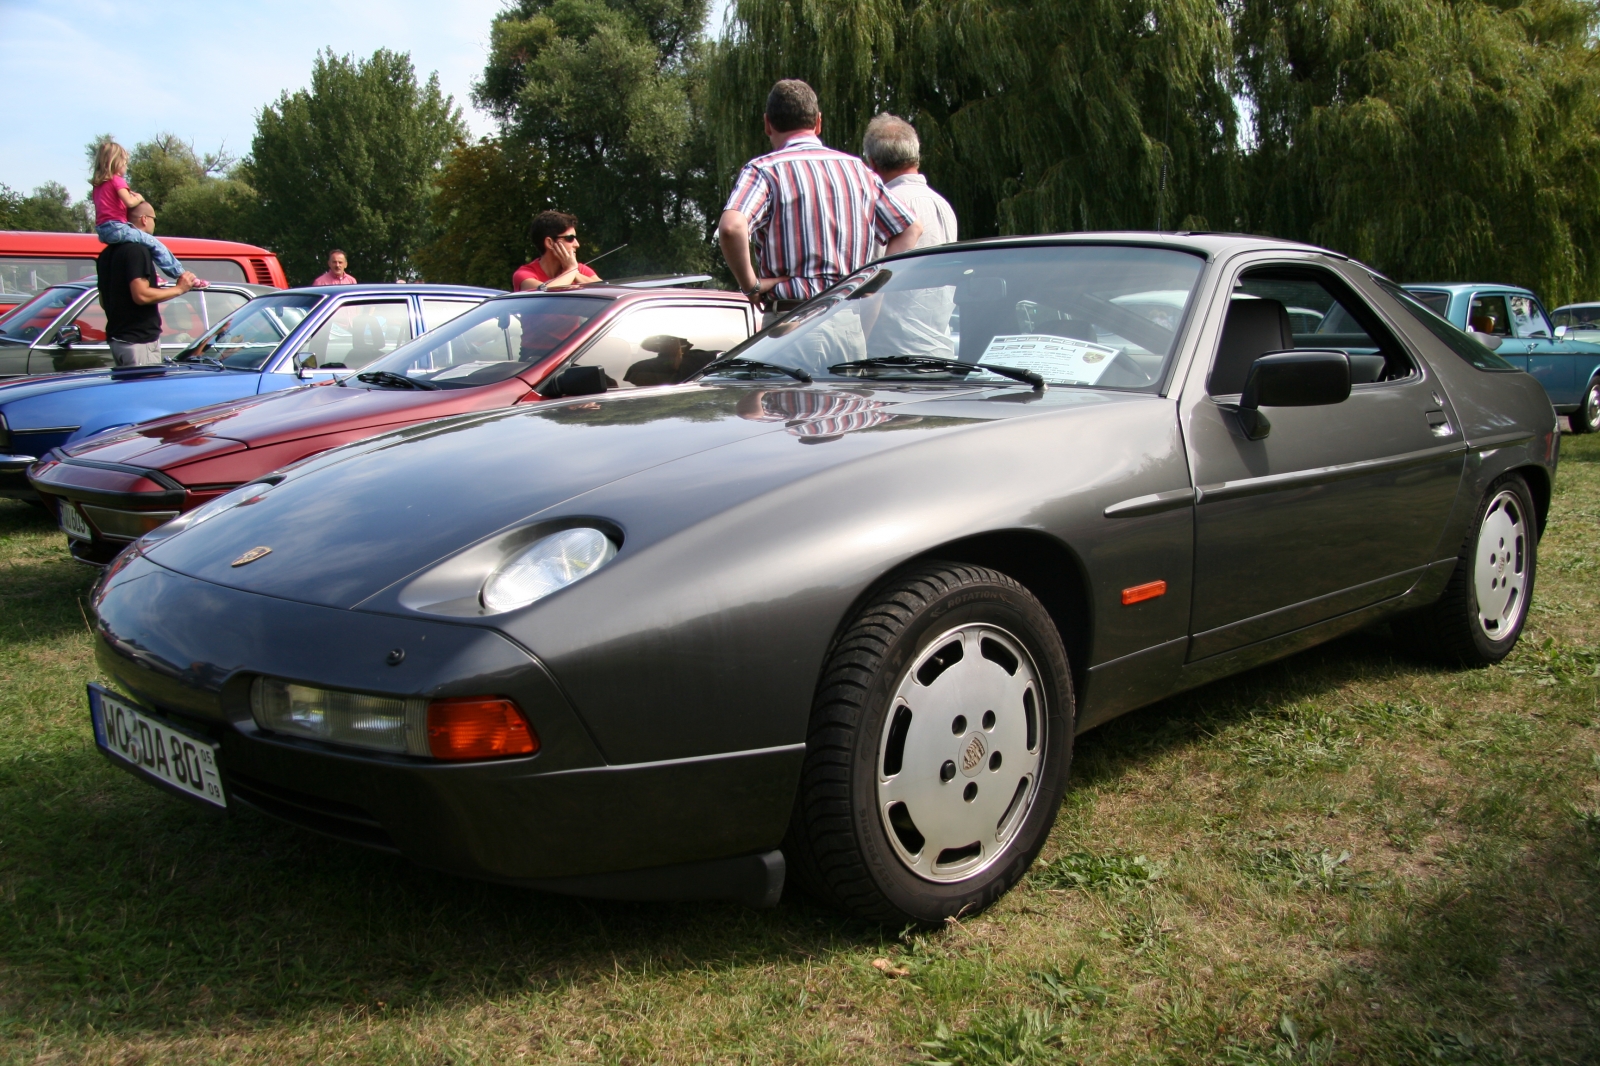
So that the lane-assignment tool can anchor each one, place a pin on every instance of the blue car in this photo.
(1513, 323)
(289, 338)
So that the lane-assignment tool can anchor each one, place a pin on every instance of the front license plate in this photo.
(172, 757)
(73, 524)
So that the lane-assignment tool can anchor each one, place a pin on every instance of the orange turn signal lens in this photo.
(478, 727)
(1147, 591)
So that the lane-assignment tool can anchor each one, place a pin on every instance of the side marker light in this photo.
(478, 727)
(1147, 591)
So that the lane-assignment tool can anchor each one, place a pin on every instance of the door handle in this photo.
(1439, 423)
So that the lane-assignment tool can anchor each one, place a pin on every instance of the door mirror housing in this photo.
(67, 336)
(1302, 378)
(576, 381)
(304, 361)
(1490, 341)
(1561, 332)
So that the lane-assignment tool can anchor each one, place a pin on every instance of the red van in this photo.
(32, 262)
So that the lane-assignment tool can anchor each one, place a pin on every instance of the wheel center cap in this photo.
(973, 750)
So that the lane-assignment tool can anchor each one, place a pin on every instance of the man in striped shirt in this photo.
(814, 213)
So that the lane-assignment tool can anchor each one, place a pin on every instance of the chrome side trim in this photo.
(1155, 503)
(9, 463)
(1500, 440)
(1232, 490)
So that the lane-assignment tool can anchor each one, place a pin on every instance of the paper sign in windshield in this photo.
(1065, 360)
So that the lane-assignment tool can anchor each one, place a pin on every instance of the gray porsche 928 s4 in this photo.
(840, 604)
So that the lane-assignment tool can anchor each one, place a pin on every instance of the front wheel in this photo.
(939, 747)
(1481, 614)
(1586, 419)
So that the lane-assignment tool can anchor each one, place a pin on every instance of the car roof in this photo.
(1583, 303)
(1466, 286)
(1204, 242)
(31, 242)
(248, 286)
(392, 287)
(624, 292)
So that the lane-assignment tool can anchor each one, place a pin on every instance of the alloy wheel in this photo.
(1500, 567)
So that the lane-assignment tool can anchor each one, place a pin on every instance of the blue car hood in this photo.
(98, 398)
(356, 519)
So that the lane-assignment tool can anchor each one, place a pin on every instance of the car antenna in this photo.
(602, 255)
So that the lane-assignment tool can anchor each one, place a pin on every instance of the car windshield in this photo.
(27, 321)
(1578, 316)
(489, 343)
(1082, 315)
(246, 339)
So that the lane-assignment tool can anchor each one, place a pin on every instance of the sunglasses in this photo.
(573, 237)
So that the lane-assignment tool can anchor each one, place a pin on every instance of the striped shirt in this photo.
(814, 214)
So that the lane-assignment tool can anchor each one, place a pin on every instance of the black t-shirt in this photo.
(127, 321)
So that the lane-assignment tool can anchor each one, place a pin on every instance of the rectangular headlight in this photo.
(377, 723)
(116, 524)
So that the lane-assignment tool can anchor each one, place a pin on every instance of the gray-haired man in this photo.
(894, 152)
(913, 321)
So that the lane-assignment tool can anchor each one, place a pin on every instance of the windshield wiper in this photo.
(736, 363)
(935, 363)
(393, 380)
(200, 360)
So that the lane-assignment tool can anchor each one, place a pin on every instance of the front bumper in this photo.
(14, 477)
(119, 503)
(189, 649)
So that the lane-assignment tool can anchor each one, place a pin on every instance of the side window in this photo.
(664, 345)
(1283, 308)
(436, 313)
(91, 321)
(182, 320)
(216, 269)
(1489, 314)
(1527, 317)
(219, 305)
(356, 334)
(1433, 300)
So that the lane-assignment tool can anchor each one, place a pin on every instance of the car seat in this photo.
(1254, 327)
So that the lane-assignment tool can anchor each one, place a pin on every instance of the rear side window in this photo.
(216, 269)
(1434, 300)
(31, 275)
(1457, 341)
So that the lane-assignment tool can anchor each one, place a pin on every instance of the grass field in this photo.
(1343, 857)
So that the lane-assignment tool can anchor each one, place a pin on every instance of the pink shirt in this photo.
(327, 278)
(108, 206)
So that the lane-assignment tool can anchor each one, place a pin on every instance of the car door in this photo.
(352, 334)
(662, 344)
(1339, 506)
(1548, 359)
(90, 351)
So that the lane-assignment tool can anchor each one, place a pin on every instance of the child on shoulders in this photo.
(113, 198)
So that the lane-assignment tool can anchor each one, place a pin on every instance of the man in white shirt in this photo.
(894, 153)
(913, 321)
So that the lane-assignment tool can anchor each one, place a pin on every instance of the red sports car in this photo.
(517, 348)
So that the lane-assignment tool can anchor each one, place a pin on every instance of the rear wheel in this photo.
(939, 748)
(1481, 614)
(1586, 419)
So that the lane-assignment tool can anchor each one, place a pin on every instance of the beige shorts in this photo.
(124, 353)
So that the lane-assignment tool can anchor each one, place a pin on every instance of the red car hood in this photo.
(277, 418)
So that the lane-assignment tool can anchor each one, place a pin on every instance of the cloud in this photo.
(79, 68)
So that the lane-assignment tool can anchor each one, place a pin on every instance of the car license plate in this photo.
(73, 524)
(172, 757)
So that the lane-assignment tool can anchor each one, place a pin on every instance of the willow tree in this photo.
(1035, 115)
(1436, 139)
(606, 93)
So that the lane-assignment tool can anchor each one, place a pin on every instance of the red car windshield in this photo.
(490, 343)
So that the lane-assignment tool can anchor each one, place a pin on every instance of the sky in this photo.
(79, 68)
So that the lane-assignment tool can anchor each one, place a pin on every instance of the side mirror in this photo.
(1561, 331)
(67, 336)
(1305, 378)
(576, 381)
(304, 361)
(1490, 341)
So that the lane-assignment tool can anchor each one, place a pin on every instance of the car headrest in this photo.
(1253, 328)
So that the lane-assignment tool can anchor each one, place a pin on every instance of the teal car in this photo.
(1511, 321)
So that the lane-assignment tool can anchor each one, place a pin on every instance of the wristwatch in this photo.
(754, 290)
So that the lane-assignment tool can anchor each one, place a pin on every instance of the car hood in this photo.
(256, 422)
(357, 519)
(57, 400)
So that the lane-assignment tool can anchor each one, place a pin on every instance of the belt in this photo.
(779, 306)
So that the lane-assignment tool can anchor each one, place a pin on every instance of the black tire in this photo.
(1586, 419)
(1450, 630)
(838, 845)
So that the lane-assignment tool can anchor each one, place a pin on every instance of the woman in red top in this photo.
(556, 232)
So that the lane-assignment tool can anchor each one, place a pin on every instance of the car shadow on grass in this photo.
(42, 589)
(131, 911)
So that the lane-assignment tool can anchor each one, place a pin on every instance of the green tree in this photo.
(48, 209)
(608, 93)
(223, 209)
(1436, 139)
(351, 163)
(1035, 115)
(160, 167)
(485, 195)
